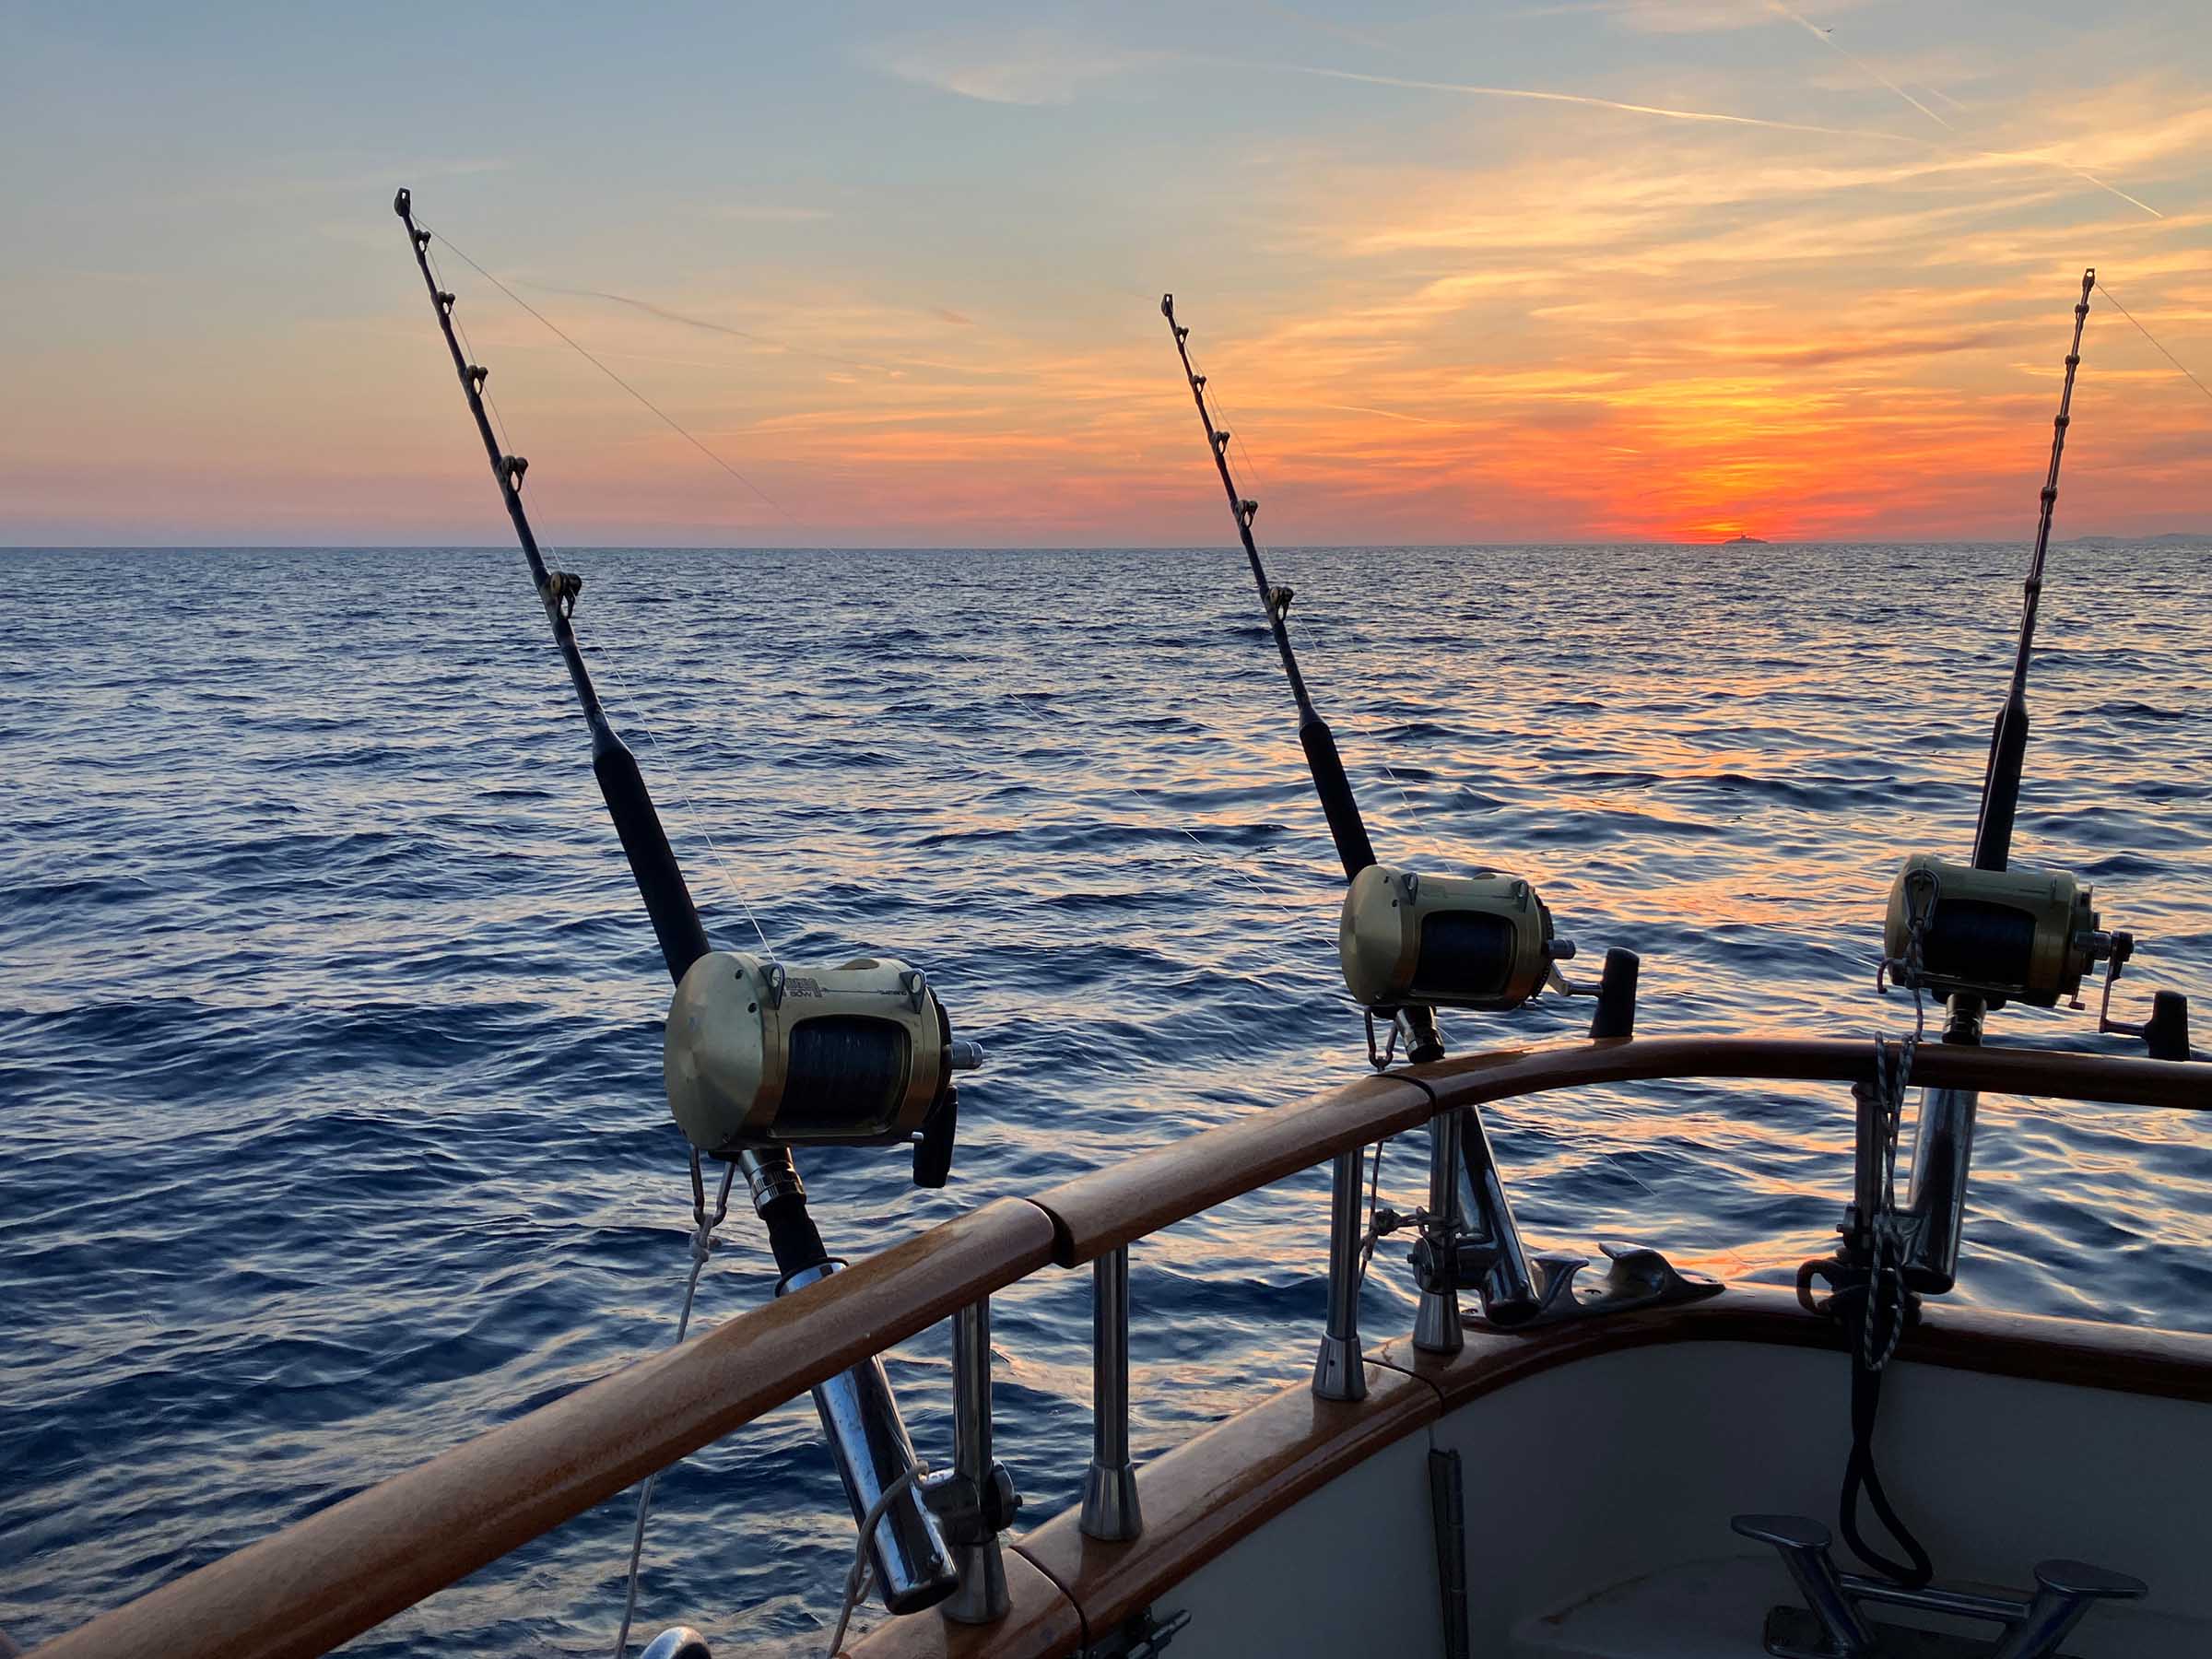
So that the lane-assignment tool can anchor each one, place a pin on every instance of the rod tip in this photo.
(403, 203)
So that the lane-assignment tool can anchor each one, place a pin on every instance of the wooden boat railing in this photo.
(345, 1569)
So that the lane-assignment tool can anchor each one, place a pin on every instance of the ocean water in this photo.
(331, 1120)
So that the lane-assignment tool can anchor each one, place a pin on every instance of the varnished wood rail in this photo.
(330, 1577)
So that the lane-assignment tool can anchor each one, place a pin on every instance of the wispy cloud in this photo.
(767, 213)
(1665, 17)
(1032, 65)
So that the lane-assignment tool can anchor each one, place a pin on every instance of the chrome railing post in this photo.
(1110, 1506)
(1340, 1369)
(1436, 1316)
(977, 1501)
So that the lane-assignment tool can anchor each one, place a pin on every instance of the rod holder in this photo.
(915, 1565)
(1340, 1369)
(1111, 1513)
(1490, 1243)
(975, 1500)
(1436, 1328)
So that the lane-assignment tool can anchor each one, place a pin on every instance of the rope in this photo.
(2105, 289)
(702, 1245)
(1883, 1291)
(1379, 1224)
(858, 1574)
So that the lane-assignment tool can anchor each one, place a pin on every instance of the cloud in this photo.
(1672, 17)
(1027, 66)
(769, 213)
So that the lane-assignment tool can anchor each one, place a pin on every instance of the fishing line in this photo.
(1138, 790)
(660, 748)
(636, 709)
(490, 402)
(2105, 289)
(674, 425)
(605, 660)
(1259, 483)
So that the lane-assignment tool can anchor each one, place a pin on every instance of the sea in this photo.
(332, 1125)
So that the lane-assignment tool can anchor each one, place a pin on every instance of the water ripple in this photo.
(329, 1026)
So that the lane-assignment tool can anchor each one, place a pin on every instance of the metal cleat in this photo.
(1831, 1626)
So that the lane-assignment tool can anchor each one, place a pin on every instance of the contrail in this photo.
(1577, 98)
(1866, 69)
(1860, 63)
(1466, 90)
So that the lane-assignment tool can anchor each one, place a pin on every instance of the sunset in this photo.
(1011, 831)
(1609, 271)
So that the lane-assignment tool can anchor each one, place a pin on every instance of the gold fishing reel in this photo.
(1445, 941)
(760, 1055)
(2002, 936)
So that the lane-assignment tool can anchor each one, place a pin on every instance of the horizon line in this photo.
(456, 547)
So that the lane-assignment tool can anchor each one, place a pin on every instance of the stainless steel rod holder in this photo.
(981, 1597)
(1943, 1151)
(1508, 1284)
(1340, 1369)
(1111, 1513)
(869, 1443)
(1436, 1328)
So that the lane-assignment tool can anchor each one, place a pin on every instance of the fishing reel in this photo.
(2028, 935)
(2000, 935)
(758, 1056)
(1445, 941)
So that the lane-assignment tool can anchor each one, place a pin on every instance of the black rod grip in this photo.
(652, 861)
(2001, 788)
(792, 1238)
(1346, 826)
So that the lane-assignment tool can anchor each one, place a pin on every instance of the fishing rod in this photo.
(759, 1058)
(1983, 934)
(1979, 934)
(1410, 943)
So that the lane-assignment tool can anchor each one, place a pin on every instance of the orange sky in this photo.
(1435, 308)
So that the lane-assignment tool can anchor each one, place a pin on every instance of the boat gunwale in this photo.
(345, 1569)
(1212, 1491)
